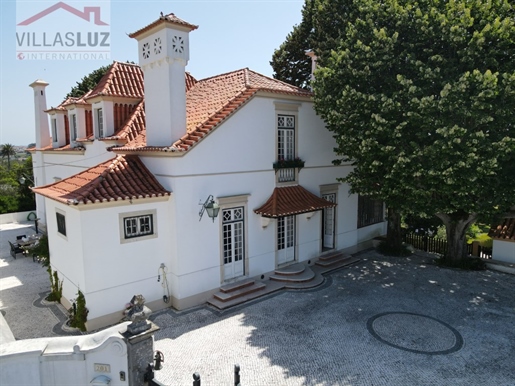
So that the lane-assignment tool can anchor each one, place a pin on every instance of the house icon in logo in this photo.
(85, 15)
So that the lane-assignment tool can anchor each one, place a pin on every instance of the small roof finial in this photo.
(162, 14)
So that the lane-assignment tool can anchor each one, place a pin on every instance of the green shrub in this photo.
(56, 287)
(78, 313)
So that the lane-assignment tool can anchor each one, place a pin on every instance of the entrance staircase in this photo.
(334, 260)
(295, 276)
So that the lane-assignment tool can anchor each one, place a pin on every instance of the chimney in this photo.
(42, 129)
(313, 57)
(163, 55)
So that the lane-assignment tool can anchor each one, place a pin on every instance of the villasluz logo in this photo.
(49, 30)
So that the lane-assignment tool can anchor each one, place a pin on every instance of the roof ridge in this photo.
(126, 63)
(219, 75)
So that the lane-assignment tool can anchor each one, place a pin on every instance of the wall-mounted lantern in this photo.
(211, 207)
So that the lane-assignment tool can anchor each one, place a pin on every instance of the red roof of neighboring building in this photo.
(121, 178)
(210, 101)
(164, 19)
(291, 200)
(505, 230)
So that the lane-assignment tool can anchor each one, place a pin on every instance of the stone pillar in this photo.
(140, 352)
(139, 337)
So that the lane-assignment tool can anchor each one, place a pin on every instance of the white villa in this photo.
(120, 179)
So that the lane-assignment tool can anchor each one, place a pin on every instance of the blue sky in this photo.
(231, 35)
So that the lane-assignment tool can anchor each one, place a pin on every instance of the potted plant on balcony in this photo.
(289, 163)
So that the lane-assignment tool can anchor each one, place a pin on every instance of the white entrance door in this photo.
(233, 243)
(285, 239)
(328, 230)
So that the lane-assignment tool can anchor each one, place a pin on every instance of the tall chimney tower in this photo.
(42, 129)
(163, 55)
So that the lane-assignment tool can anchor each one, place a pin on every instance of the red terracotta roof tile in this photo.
(57, 149)
(75, 101)
(505, 230)
(164, 19)
(121, 178)
(133, 131)
(210, 101)
(291, 200)
(122, 79)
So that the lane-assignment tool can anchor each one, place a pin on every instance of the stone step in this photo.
(223, 305)
(294, 269)
(227, 296)
(303, 276)
(337, 259)
(324, 267)
(236, 286)
(331, 255)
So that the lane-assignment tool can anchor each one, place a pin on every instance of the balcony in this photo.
(286, 169)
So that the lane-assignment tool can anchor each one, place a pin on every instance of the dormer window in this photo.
(74, 127)
(100, 123)
(54, 129)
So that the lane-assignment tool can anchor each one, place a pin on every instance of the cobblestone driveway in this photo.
(384, 321)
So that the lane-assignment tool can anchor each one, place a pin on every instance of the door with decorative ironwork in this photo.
(328, 225)
(233, 242)
(285, 239)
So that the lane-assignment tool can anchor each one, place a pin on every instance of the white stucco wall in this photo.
(234, 160)
(237, 159)
(67, 252)
(116, 269)
(504, 251)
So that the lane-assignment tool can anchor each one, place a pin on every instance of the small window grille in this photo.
(138, 226)
(146, 51)
(178, 44)
(157, 46)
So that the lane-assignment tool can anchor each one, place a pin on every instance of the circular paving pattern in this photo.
(415, 333)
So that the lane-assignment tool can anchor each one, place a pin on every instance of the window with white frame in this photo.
(74, 127)
(138, 226)
(285, 146)
(61, 223)
(54, 129)
(100, 123)
(285, 137)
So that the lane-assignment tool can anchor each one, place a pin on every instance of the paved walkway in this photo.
(383, 321)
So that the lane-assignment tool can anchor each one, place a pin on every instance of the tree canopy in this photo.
(88, 82)
(16, 197)
(420, 97)
(8, 151)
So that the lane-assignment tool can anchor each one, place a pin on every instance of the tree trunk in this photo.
(394, 233)
(456, 225)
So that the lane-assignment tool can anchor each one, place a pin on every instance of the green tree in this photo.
(8, 151)
(26, 198)
(16, 197)
(324, 24)
(290, 62)
(420, 98)
(88, 82)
